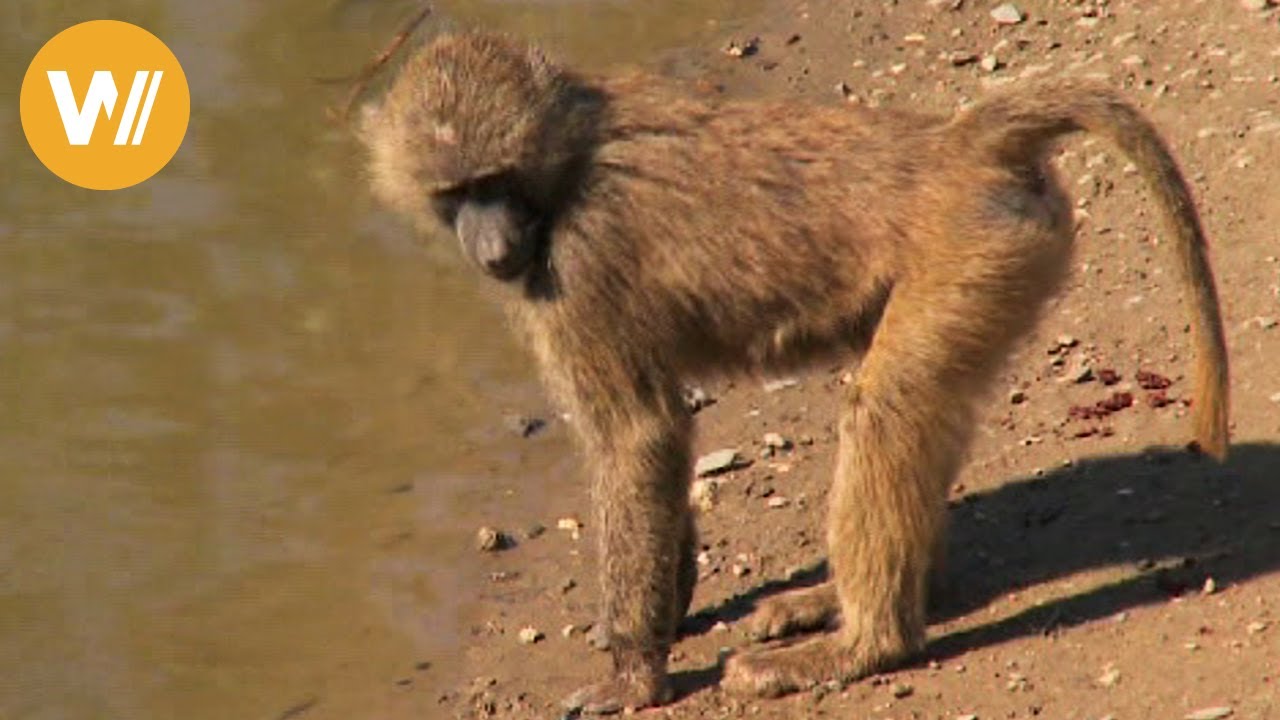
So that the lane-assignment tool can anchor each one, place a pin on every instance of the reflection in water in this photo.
(250, 426)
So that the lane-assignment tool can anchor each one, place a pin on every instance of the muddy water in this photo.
(249, 425)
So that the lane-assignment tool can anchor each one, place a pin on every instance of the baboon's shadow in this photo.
(1176, 519)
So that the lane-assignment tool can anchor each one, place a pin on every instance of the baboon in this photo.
(645, 236)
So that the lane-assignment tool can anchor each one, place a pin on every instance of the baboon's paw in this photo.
(778, 671)
(617, 694)
(803, 610)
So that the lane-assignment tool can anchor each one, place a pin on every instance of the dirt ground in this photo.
(1092, 574)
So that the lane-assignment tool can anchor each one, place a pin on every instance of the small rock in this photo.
(1017, 397)
(491, 539)
(534, 531)
(530, 635)
(1275, 397)
(990, 63)
(524, 425)
(740, 570)
(1210, 587)
(902, 690)
(1108, 376)
(777, 501)
(695, 398)
(1265, 322)
(746, 48)
(967, 716)
(704, 494)
(1209, 713)
(776, 441)
(1078, 372)
(568, 630)
(913, 38)
(1007, 14)
(960, 58)
(780, 384)
(1063, 342)
(573, 526)
(1109, 678)
(717, 462)
(1255, 4)
(598, 638)
(720, 627)
(1257, 627)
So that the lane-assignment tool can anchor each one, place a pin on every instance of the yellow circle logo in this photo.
(105, 105)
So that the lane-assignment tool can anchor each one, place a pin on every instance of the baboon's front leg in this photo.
(642, 467)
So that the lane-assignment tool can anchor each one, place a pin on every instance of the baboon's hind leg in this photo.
(907, 420)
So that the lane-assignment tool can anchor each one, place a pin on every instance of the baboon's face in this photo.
(498, 230)
(461, 143)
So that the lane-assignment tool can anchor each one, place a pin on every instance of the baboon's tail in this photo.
(1018, 127)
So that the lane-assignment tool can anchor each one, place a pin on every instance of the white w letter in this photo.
(79, 122)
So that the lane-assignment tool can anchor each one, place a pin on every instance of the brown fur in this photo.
(676, 237)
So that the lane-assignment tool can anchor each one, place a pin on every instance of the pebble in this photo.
(777, 501)
(1017, 397)
(717, 462)
(780, 384)
(1209, 713)
(1063, 342)
(1275, 397)
(902, 690)
(598, 638)
(530, 635)
(490, 539)
(573, 526)
(1007, 14)
(990, 63)
(524, 425)
(1210, 586)
(742, 49)
(695, 398)
(1257, 627)
(704, 494)
(776, 441)
(1265, 322)
(1109, 678)
(1255, 4)
(1078, 372)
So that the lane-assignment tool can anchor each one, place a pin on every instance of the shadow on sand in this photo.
(1174, 517)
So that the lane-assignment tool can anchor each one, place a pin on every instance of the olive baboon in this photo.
(646, 236)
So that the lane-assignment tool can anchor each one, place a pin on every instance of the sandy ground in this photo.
(1091, 574)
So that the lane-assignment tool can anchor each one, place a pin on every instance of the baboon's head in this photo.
(484, 136)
